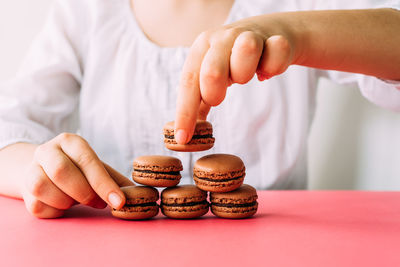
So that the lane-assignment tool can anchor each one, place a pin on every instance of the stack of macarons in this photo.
(220, 174)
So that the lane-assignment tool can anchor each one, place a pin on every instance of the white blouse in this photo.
(93, 70)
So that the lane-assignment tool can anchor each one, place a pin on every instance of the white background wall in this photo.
(353, 144)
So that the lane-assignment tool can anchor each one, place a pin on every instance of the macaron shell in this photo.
(158, 163)
(192, 146)
(140, 194)
(156, 182)
(234, 213)
(183, 194)
(185, 212)
(219, 165)
(245, 194)
(136, 213)
(218, 186)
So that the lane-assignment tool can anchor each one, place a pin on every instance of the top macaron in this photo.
(202, 137)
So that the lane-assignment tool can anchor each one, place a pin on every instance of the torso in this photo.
(129, 92)
(171, 23)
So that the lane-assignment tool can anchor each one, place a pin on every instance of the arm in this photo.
(13, 160)
(56, 175)
(361, 41)
(36, 107)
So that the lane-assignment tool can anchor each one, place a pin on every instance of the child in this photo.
(119, 63)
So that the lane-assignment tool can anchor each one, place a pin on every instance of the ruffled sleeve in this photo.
(381, 92)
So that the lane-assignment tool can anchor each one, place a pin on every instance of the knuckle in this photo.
(40, 151)
(189, 80)
(37, 208)
(88, 199)
(283, 44)
(248, 43)
(212, 76)
(85, 159)
(38, 187)
(231, 32)
(204, 36)
(71, 139)
(66, 136)
(61, 170)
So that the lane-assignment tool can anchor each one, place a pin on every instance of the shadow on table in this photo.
(81, 211)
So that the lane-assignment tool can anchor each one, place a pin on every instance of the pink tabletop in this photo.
(292, 228)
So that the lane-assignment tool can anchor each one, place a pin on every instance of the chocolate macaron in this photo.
(141, 203)
(237, 204)
(219, 172)
(159, 171)
(202, 137)
(184, 202)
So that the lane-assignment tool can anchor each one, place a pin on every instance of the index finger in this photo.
(189, 96)
(83, 156)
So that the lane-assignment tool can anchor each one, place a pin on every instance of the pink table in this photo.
(292, 228)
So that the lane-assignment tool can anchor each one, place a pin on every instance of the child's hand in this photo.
(218, 58)
(66, 171)
(268, 44)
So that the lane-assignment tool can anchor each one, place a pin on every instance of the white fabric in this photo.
(92, 60)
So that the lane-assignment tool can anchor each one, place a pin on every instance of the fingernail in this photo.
(181, 136)
(115, 200)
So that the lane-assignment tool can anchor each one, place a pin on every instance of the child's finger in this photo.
(118, 177)
(41, 187)
(246, 54)
(65, 174)
(214, 73)
(39, 209)
(82, 155)
(275, 58)
(189, 97)
(203, 111)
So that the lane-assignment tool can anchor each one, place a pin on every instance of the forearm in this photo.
(361, 41)
(14, 161)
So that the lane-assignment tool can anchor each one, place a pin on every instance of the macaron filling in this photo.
(218, 180)
(196, 136)
(187, 204)
(158, 172)
(148, 204)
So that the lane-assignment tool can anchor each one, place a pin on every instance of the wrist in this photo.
(14, 161)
